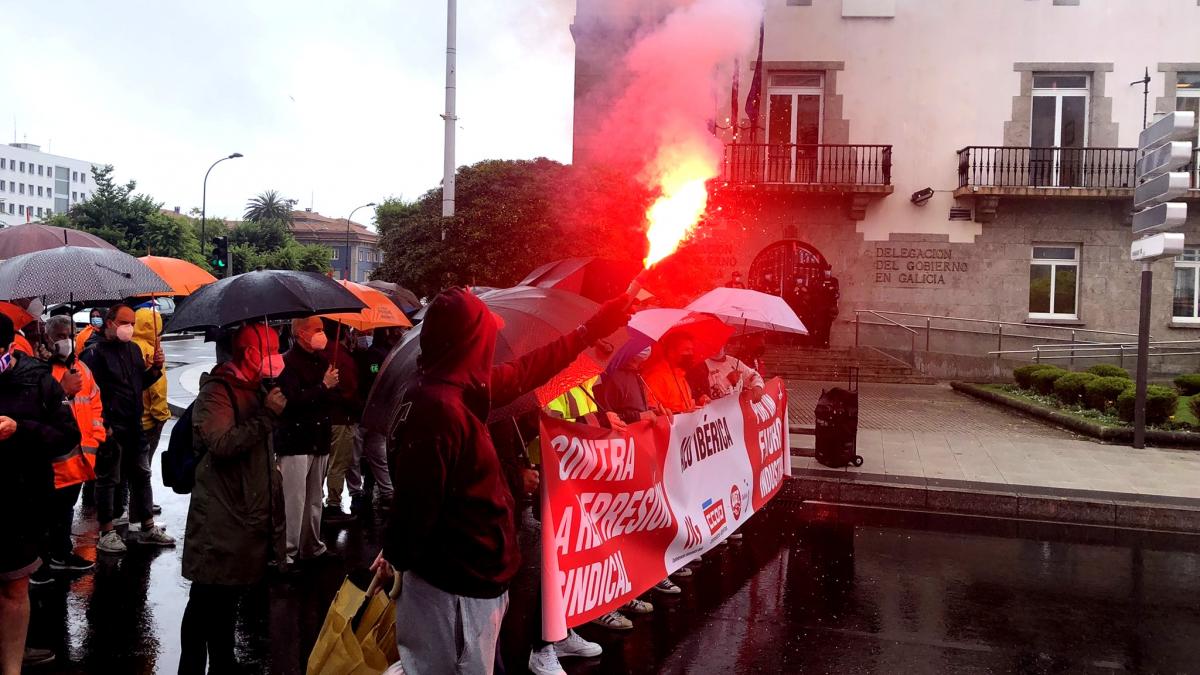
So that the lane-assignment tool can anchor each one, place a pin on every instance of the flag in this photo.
(733, 97)
(754, 98)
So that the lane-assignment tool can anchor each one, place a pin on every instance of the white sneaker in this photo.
(110, 542)
(682, 572)
(614, 621)
(122, 519)
(544, 661)
(575, 645)
(666, 586)
(153, 536)
(637, 606)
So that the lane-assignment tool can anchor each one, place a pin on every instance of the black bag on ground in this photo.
(180, 458)
(837, 428)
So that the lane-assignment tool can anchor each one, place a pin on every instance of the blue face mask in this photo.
(365, 341)
(98, 321)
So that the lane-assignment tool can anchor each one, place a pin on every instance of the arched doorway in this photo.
(797, 272)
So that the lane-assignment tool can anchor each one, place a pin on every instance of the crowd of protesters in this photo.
(278, 441)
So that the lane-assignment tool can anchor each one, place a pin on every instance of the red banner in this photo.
(622, 510)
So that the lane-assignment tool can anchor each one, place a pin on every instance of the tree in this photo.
(511, 216)
(269, 205)
(134, 223)
(270, 244)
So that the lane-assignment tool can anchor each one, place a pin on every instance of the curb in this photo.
(1056, 505)
(1101, 432)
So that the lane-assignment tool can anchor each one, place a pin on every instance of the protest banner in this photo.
(622, 510)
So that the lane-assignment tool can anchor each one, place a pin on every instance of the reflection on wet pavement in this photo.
(810, 589)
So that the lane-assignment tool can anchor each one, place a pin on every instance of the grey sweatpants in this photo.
(303, 481)
(439, 633)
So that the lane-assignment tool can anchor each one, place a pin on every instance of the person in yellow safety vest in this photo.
(147, 325)
(74, 468)
(575, 402)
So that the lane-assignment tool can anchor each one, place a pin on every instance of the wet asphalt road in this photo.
(811, 589)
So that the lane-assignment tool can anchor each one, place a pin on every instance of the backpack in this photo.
(181, 457)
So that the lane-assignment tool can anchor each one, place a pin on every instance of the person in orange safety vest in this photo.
(77, 466)
(665, 374)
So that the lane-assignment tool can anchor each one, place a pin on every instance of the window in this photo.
(39, 212)
(1054, 282)
(41, 170)
(40, 191)
(3, 186)
(362, 255)
(3, 163)
(22, 167)
(21, 209)
(1184, 303)
(74, 196)
(335, 254)
(83, 178)
(22, 187)
(75, 176)
(1058, 129)
(794, 104)
(10, 209)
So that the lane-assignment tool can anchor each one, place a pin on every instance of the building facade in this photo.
(941, 158)
(354, 249)
(36, 184)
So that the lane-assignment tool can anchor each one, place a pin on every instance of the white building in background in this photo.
(36, 184)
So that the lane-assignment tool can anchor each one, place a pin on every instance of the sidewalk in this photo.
(929, 448)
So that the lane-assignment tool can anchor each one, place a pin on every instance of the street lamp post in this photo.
(349, 255)
(204, 196)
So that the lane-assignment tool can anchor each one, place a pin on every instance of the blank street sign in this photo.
(1174, 126)
(1165, 158)
(1171, 214)
(1166, 187)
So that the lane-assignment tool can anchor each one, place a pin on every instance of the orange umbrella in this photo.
(380, 312)
(20, 317)
(183, 277)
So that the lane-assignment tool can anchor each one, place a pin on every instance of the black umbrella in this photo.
(405, 299)
(532, 317)
(269, 294)
(597, 279)
(75, 273)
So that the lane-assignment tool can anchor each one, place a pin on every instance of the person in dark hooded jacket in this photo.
(36, 425)
(452, 531)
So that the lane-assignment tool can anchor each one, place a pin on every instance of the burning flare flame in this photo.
(674, 215)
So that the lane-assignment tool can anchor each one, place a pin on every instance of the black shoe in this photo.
(156, 509)
(335, 514)
(71, 562)
(37, 657)
(41, 577)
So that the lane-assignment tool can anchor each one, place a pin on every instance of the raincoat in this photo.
(147, 325)
(235, 521)
(79, 465)
(452, 523)
(668, 385)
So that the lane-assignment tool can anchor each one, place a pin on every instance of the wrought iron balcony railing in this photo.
(1008, 166)
(817, 165)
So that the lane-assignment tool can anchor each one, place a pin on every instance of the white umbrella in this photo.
(749, 310)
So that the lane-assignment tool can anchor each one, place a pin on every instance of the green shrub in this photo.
(1195, 404)
(1108, 370)
(1024, 374)
(1069, 387)
(1160, 403)
(1103, 392)
(1043, 380)
(1188, 385)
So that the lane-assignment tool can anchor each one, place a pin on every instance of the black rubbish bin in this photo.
(837, 427)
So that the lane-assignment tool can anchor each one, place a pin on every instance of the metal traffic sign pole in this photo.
(1163, 147)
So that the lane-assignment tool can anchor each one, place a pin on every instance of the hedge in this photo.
(1024, 374)
(1160, 403)
(1188, 385)
(1195, 403)
(1044, 379)
(1069, 388)
(1102, 391)
(1108, 370)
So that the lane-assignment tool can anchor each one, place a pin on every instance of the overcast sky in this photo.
(335, 104)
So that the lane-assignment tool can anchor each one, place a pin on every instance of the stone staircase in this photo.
(830, 365)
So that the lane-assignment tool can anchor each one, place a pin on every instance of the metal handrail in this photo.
(912, 333)
(994, 322)
(1092, 350)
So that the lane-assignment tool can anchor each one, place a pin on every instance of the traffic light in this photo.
(219, 260)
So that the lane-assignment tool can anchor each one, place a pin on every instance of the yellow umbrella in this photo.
(380, 311)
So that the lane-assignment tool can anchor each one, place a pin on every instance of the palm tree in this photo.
(270, 205)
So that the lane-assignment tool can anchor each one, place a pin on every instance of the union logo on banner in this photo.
(714, 513)
(735, 502)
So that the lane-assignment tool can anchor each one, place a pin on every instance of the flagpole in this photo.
(450, 118)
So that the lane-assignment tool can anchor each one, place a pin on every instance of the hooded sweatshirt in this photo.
(147, 325)
(452, 524)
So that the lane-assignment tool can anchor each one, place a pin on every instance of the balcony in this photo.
(858, 172)
(988, 172)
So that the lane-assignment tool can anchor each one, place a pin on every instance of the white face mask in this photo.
(319, 341)
(63, 348)
(125, 333)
